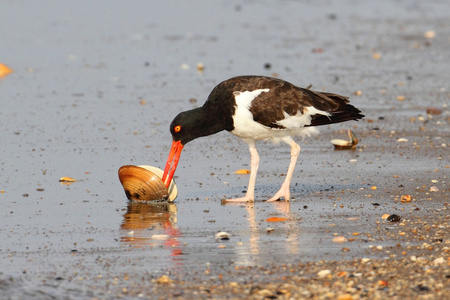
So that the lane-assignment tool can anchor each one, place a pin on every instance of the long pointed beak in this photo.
(172, 162)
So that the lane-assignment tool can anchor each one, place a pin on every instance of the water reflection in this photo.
(151, 225)
(261, 240)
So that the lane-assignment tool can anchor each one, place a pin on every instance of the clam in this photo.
(344, 144)
(144, 184)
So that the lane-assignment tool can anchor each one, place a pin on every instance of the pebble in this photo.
(339, 239)
(438, 261)
(345, 297)
(429, 34)
(323, 273)
(164, 280)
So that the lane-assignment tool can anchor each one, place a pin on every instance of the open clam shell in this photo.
(343, 144)
(143, 183)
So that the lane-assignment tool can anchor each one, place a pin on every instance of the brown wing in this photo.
(286, 98)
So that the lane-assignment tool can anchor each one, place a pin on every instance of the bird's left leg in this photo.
(284, 191)
(254, 162)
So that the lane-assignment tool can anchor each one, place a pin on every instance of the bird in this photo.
(255, 108)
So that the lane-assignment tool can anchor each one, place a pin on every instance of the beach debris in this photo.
(276, 219)
(394, 218)
(5, 70)
(164, 280)
(222, 235)
(434, 188)
(200, 67)
(346, 144)
(434, 111)
(242, 171)
(429, 34)
(405, 198)
(323, 273)
(67, 179)
(339, 239)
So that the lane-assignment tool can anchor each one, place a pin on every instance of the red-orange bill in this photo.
(172, 162)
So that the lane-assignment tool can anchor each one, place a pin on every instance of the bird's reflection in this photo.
(260, 237)
(149, 224)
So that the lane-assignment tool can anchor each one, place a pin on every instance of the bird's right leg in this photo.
(254, 162)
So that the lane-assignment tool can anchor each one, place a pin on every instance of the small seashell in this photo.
(67, 179)
(222, 235)
(242, 171)
(434, 188)
(144, 184)
(402, 140)
(323, 273)
(385, 216)
(405, 198)
(343, 144)
(339, 239)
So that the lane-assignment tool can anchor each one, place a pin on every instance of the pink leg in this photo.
(284, 191)
(254, 162)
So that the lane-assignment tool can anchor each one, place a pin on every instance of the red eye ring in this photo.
(177, 128)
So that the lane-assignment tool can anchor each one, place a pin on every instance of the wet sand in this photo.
(95, 86)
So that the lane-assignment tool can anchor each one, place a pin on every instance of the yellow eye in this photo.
(177, 128)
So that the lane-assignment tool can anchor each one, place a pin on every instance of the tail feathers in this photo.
(344, 112)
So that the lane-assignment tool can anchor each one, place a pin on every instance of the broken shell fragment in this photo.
(4, 70)
(242, 171)
(405, 198)
(343, 144)
(67, 179)
(144, 184)
(222, 235)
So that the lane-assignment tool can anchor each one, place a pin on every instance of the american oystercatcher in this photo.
(259, 108)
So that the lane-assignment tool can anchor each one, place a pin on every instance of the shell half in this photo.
(144, 184)
(345, 144)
